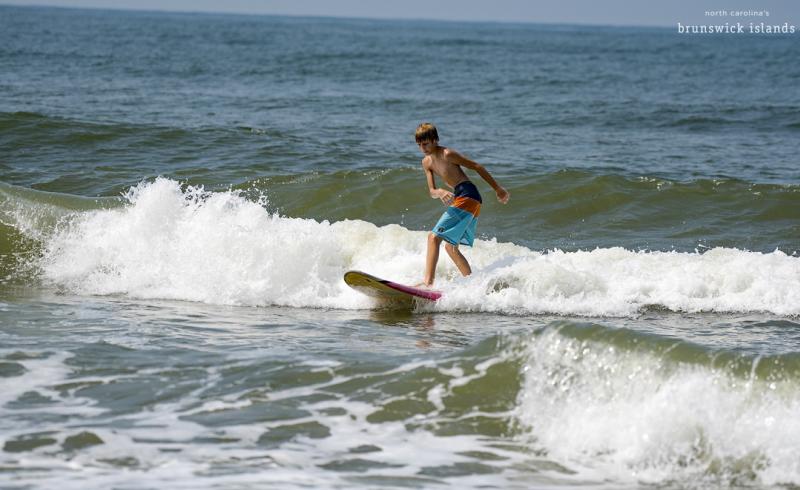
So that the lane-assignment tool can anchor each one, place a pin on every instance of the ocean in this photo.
(181, 194)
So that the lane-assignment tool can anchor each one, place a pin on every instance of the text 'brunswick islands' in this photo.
(737, 28)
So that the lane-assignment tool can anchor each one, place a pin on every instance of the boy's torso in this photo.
(449, 172)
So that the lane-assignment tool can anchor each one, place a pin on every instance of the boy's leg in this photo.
(432, 258)
(458, 258)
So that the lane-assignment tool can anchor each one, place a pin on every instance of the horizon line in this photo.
(336, 17)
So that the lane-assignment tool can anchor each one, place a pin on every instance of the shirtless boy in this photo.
(457, 224)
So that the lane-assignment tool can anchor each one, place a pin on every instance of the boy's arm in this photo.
(443, 194)
(459, 159)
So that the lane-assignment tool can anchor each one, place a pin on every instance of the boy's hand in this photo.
(502, 195)
(445, 196)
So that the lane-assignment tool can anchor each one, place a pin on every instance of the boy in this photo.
(457, 224)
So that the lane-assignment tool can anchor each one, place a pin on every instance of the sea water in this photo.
(180, 195)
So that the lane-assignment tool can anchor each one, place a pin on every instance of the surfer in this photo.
(457, 224)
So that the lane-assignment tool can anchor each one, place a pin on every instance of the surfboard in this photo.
(381, 288)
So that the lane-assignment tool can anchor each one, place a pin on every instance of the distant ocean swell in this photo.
(174, 242)
(21, 128)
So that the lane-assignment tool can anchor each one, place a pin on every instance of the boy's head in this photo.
(426, 132)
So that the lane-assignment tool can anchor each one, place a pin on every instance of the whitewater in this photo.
(172, 241)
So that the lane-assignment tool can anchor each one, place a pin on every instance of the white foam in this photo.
(220, 248)
(40, 373)
(161, 443)
(634, 417)
(619, 282)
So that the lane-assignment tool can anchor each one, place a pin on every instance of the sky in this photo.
(598, 12)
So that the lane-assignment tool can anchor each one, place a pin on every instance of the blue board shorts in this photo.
(457, 224)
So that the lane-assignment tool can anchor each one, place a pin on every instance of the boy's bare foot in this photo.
(423, 285)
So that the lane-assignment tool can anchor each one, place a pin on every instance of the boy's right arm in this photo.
(444, 195)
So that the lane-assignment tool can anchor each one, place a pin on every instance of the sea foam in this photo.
(634, 415)
(173, 242)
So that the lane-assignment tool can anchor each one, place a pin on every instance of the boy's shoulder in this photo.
(444, 152)
(451, 154)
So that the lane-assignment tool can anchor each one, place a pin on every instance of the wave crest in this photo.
(221, 248)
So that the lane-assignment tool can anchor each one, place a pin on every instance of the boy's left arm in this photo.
(459, 159)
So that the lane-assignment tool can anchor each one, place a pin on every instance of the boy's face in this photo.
(427, 146)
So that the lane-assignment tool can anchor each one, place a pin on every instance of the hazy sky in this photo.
(604, 12)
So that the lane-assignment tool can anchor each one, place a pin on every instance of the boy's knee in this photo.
(434, 239)
(450, 247)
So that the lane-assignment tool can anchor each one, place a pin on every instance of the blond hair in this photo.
(426, 132)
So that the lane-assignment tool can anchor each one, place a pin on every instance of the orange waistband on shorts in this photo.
(467, 204)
